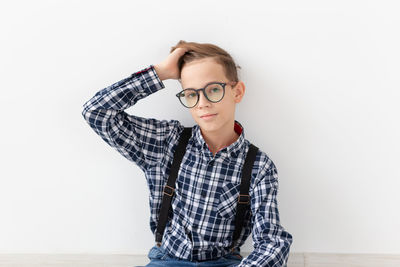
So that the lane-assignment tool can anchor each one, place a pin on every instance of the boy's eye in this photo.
(215, 89)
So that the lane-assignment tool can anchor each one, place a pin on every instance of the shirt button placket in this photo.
(210, 166)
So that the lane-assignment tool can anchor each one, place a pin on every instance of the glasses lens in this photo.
(188, 98)
(215, 92)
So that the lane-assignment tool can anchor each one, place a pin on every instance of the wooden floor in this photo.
(94, 260)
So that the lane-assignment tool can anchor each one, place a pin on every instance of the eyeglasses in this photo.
(214, 92)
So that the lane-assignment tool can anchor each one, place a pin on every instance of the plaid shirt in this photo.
(202, 219)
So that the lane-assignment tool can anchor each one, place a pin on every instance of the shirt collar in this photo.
(230, 151)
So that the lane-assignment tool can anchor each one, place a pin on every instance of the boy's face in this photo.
(197, 74)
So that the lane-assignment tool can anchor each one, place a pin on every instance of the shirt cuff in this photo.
(149, 77)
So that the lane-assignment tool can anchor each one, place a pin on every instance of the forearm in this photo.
(125, 93)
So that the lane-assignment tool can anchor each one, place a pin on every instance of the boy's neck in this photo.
(223, 138)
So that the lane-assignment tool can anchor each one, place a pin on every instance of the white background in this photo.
(322, 100)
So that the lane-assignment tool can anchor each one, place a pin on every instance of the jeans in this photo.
(158, 257)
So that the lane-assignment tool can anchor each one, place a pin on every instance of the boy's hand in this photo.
(168, 69)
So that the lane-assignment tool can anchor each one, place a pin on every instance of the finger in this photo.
(184, 50)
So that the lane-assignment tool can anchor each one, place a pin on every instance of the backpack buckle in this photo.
(170, 190)
(243, 199)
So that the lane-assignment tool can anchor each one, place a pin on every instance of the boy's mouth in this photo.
(208, 116)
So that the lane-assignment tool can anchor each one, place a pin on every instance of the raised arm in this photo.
(141, 140)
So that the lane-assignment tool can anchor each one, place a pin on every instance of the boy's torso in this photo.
(201, 223)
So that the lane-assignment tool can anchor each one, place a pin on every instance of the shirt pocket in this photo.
(228, 200)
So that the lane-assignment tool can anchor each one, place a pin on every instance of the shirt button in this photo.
(210, 167)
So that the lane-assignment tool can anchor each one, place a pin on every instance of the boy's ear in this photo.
(238, 91)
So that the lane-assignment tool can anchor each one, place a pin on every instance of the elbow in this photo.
(86, 111)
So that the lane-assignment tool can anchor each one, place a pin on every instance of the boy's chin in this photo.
(208, 127)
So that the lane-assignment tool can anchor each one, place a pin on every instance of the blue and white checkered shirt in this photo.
(204, 205)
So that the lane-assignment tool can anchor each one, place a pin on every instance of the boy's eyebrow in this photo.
(204, 85)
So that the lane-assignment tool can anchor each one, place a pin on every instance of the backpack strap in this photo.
(243, 203)
(169, 188)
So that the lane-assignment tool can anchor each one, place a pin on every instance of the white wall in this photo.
(322, 80)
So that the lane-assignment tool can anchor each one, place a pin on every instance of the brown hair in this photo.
(205, 50)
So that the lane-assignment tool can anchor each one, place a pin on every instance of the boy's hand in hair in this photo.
(168, 69)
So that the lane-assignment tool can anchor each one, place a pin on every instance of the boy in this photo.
(202, 221)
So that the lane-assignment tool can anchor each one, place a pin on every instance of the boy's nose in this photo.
(203, 101)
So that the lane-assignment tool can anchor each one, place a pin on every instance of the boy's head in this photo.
(202, 64)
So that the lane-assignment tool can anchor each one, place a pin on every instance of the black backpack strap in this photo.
(170, 186)
(243, 203)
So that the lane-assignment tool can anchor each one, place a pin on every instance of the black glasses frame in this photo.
(204, 93)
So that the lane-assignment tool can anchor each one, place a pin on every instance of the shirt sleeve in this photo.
(141, 140)
(270, 240)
